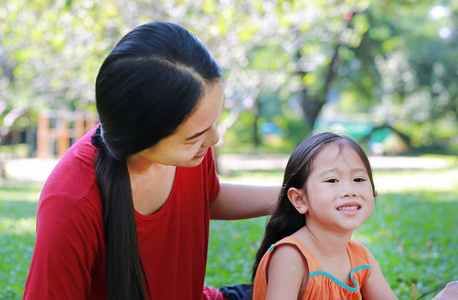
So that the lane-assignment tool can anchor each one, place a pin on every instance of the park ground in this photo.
(411, 231)
(37, 170)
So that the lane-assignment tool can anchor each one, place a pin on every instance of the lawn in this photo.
(412, 232)
(18, 205)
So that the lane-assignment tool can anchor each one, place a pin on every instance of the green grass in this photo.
(413, 236)
(412, 232)
(18, 205)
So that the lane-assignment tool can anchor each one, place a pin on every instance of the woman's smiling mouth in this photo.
(201, 153)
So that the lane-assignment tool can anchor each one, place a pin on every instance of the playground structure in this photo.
(58, 129)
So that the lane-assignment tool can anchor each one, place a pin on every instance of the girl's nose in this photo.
(348, 189)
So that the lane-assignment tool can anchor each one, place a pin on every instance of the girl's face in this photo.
(189, 144)
(339, 194)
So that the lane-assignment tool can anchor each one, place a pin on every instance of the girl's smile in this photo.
(350, 208)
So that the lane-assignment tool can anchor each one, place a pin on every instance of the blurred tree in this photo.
(266, 45)
(412, 57)
(379, 56)
(50, 52)
(231, 30)
(425, 98)
(318, 32)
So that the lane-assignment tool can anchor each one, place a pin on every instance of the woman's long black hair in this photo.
(286, 220)
(146, 87)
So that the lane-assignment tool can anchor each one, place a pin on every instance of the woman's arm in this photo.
(243, 201)
(376, 286)
(69, 236)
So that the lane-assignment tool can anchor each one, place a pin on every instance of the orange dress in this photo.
(321, 285)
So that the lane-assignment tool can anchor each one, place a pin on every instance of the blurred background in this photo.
(383, 72)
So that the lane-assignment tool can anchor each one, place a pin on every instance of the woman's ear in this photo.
(298, 199)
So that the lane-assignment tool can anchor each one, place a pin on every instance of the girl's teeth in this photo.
(347, 208)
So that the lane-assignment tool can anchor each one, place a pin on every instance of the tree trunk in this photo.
(311, 108)
(256, 113)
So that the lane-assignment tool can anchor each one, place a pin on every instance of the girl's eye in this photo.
(359, 180)
(331, 180)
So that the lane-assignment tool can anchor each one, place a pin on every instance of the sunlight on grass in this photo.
(437, 180)
(9, 226)
(262, 178)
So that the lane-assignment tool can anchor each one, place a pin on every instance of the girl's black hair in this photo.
(286, 220)
(146, 87)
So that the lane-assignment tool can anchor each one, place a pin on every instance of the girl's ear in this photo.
(298, 199)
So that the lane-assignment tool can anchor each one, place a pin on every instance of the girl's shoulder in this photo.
(293, 245)
(359, 255)
(281, 263)
(357, 246)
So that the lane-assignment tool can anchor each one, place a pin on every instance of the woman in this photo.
(125, 214)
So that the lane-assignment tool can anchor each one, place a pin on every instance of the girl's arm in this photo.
(243, 201)
(285, 274)
(376, 286)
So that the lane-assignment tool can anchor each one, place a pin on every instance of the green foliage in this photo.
(295, 130)
(50, 54)
(241, 133)
(394, 58)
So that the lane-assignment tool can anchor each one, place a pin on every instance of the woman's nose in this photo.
(212, 138)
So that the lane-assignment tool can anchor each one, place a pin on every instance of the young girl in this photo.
(307, 251)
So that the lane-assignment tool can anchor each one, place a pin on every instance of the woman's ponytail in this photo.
(124, 267)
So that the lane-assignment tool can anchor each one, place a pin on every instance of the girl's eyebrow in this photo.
(354, 170)
(359, 170)
(327, 171)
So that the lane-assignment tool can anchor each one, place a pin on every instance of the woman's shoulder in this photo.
(72, 186)
(74, 174)
(68, 205)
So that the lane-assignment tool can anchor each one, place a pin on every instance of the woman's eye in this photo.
(192, 142)
(359, 179)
